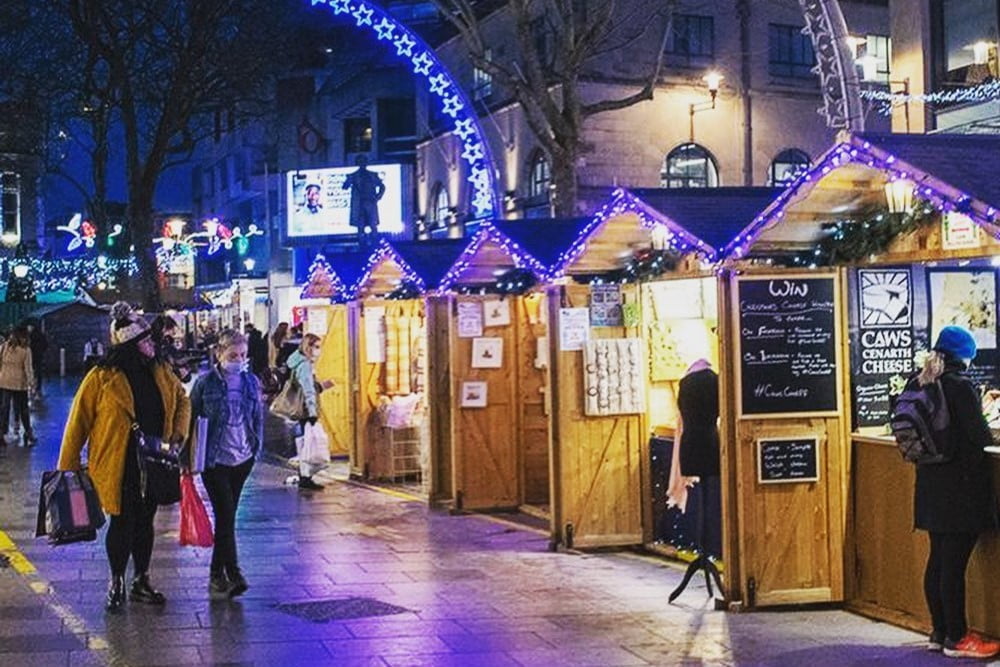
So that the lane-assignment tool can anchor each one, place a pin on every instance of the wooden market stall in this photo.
(498, 346)
(637, 283)
(400, 378)
(833, 290)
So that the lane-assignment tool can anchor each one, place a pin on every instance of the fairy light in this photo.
(323, 282)
(984, 92)
(488, 233)
(384, 252)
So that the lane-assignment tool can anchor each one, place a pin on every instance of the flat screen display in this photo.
(319, 200)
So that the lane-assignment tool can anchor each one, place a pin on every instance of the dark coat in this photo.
(698, 401)
(957, 497)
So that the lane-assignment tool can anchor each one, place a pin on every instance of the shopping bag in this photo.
(159, 468)
(68, 507)
(315, 447)
(290, 402)
(196, 528)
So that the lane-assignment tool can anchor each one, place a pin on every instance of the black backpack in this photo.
(919, 422)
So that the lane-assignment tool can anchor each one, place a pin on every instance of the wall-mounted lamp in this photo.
(899, 195)
(981, 52)
(658, 236)
(712, 81)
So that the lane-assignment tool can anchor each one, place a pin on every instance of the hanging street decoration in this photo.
(983, 92)
(440, 83)
(176, 249)
(323, 282)
(54, 275)
(83, 232)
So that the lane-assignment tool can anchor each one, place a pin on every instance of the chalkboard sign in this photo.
(788, 346)
(785, 460)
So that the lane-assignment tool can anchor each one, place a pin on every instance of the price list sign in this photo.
(788, 346)
(784, 460)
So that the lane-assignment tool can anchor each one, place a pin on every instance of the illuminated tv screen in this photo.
(319, 200)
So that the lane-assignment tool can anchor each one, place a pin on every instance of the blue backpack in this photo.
(919, 422)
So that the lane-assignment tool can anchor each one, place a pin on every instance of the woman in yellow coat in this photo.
(131, 385)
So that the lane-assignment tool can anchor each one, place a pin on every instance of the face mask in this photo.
(232, 367)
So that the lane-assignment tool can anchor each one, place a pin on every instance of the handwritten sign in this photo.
(787, 460)
(788, 346)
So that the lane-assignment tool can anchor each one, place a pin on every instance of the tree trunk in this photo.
(140, 217)
(564, 180)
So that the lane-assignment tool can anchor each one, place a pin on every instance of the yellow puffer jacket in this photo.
(101, 417)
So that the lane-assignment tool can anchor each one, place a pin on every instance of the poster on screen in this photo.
(318, 204)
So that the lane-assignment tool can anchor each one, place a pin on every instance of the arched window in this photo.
(539, 177)
(787, 166)
(689, 166)
(437, 213)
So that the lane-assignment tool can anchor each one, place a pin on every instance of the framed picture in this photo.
(487, 352)
(473, 394)
(967, 298)
(496, 313)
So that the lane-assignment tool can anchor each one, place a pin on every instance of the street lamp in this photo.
(712, 81)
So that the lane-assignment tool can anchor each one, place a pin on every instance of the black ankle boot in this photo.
(218, 585)
(237, 583)
(142, 591)
(116, 593)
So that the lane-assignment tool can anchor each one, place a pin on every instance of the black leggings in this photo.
(19, 400)
(944, 582)
(224, 485)
(130, 533)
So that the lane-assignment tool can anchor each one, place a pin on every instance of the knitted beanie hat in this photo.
(126, 324)
(956, 341)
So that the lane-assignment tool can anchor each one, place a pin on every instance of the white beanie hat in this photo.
(126, 324)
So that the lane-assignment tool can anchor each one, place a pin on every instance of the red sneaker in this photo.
(971, 646)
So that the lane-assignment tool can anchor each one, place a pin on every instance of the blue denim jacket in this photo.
(208, 399)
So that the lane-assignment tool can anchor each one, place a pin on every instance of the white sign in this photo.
(497, 313)
(574, 328)
(317, 321)
(959, 231)
(487, 352)
(320, 205)
(470, 319)
(374, 335)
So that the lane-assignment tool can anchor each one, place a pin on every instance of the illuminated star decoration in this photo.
(440, 83)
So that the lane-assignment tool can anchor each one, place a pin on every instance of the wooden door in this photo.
(789, 532)
(370, 380)
(596, 462)
(532, 391)
(333, 370)
(484, 439)
(440, 397)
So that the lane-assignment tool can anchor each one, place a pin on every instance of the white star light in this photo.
(464, 129)
(452, 105)
(363, 15)
(340, 6)
(404, 45)
(318, 2)
(384, 28)
(439, 84)
(422, 63)
(473, 152)
(482, 202)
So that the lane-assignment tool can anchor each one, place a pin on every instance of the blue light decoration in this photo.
(384, 252)
(623, 202)
(475, 149)
(857, 150)
(55, 275)
(488, 233)
(984, 92)
(323, 282)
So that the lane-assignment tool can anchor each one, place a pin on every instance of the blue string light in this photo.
(983, 92)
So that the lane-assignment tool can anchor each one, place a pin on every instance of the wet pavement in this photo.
(352, 576)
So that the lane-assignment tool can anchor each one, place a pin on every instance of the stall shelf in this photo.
(902, 228)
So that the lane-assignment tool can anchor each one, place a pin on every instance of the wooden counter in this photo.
(886, 556)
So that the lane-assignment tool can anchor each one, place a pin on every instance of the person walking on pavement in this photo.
(277, 341)
(229, 396)
(954, 501)
(17, 378)
(256, 349)
(165, 331)
(39, 343)
(300, 363)
(129, 386)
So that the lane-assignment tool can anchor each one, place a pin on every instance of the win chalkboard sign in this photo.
(788, 346)
(785, 460)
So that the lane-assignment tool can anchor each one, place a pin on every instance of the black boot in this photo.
(142, 591)
(237, 583)
(218, 585)
(116, 593)
(307, 484)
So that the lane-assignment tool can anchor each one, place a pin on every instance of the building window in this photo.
(689, 166)
(787, 166)
(482, 80)
(692, 39)
(539, 177)
(965, 41)
(437, 215)
(357, 135)
(878, 50)
(790, 52)
(10, 204)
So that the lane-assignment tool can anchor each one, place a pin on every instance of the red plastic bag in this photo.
(196, 528)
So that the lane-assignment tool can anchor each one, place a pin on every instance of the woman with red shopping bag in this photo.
(228, 396)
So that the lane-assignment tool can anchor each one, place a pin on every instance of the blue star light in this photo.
(422, 64)
(404, 45)
(464, 129)
(363, 15)
(340, 6)
(384, 28)
(439, 84)
(452, 105)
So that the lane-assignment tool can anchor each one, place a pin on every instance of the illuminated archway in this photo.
(838, 76)
(440, 83)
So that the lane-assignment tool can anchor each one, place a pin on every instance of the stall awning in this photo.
(953, 172)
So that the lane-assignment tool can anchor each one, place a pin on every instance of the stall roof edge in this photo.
(559, 234)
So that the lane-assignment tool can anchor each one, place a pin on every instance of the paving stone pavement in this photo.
(466, 590)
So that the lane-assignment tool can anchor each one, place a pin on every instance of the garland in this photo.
(515, 282)
(407, 289)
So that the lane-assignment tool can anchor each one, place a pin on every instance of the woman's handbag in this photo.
(159, 468)
(196, 529)
(68, 507)
(290, 403)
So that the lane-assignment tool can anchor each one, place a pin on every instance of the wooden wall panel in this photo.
(532, 390)
(370, 382)
(485, 452)
(334, 365)
(440, 396)
(597, 462)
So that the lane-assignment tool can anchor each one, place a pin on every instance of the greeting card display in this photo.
(613, 383)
